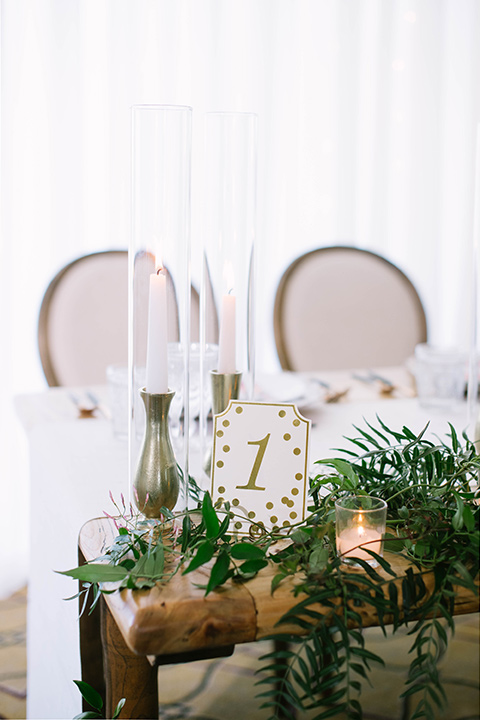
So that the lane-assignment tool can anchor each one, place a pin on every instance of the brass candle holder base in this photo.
(157, 480)
(225, 387)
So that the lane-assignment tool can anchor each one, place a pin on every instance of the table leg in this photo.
(91, 646)
(126, 674)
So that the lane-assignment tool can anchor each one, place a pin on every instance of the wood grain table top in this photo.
(176, 616)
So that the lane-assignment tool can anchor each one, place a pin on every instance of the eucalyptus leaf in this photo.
(96, 572)
(151, 564)
(344, 468)
(253, 566)
(247, 551)
(210, 517)
(468, 518)
(118, 709)
(90, 694)
(219, 571)
(186, 532)
(318, 559)
(276, 580)
(203, 554)
(394, 544)
(301, 537)
(457, 521)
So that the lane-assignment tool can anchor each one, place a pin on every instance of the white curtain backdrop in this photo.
(367, 113)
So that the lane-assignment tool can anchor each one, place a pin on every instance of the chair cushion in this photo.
(83, 323)
(341, 307)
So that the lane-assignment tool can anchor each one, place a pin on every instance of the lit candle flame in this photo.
(160, 268)
(360, 528)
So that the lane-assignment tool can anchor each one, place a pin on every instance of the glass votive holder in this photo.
(440, 375)
(360, 525)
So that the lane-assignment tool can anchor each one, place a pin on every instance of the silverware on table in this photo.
(89, 405)
(331, 395)
(85, 409)
(103, 409)
(384, 385)
(380, 378)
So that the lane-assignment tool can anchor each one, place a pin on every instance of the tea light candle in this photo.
(360, 525)
(351, 537)
(157, 347)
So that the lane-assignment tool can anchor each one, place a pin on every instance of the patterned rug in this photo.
(13, 656)
(224, 689)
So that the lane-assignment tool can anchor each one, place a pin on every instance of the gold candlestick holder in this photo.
(225, 387)
(156, 481)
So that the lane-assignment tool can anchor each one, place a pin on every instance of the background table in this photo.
(73, 466)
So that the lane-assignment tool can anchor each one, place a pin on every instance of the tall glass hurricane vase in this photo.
(474, 359)
(159, 307)
(227, 302)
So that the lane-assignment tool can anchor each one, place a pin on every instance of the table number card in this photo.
(259, 464)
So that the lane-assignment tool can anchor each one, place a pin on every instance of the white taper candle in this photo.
(226, 344)
(157, 347)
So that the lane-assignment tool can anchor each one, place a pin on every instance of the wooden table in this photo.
(135, 630)
(75, 463)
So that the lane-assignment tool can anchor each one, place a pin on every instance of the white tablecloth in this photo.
(74, 464)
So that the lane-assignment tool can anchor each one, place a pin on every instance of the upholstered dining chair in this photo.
(342, 307)
(83, 320)
(82, 325)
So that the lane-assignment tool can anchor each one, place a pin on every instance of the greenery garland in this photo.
(433, 519)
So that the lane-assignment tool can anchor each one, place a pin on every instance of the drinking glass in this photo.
(440, 375)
